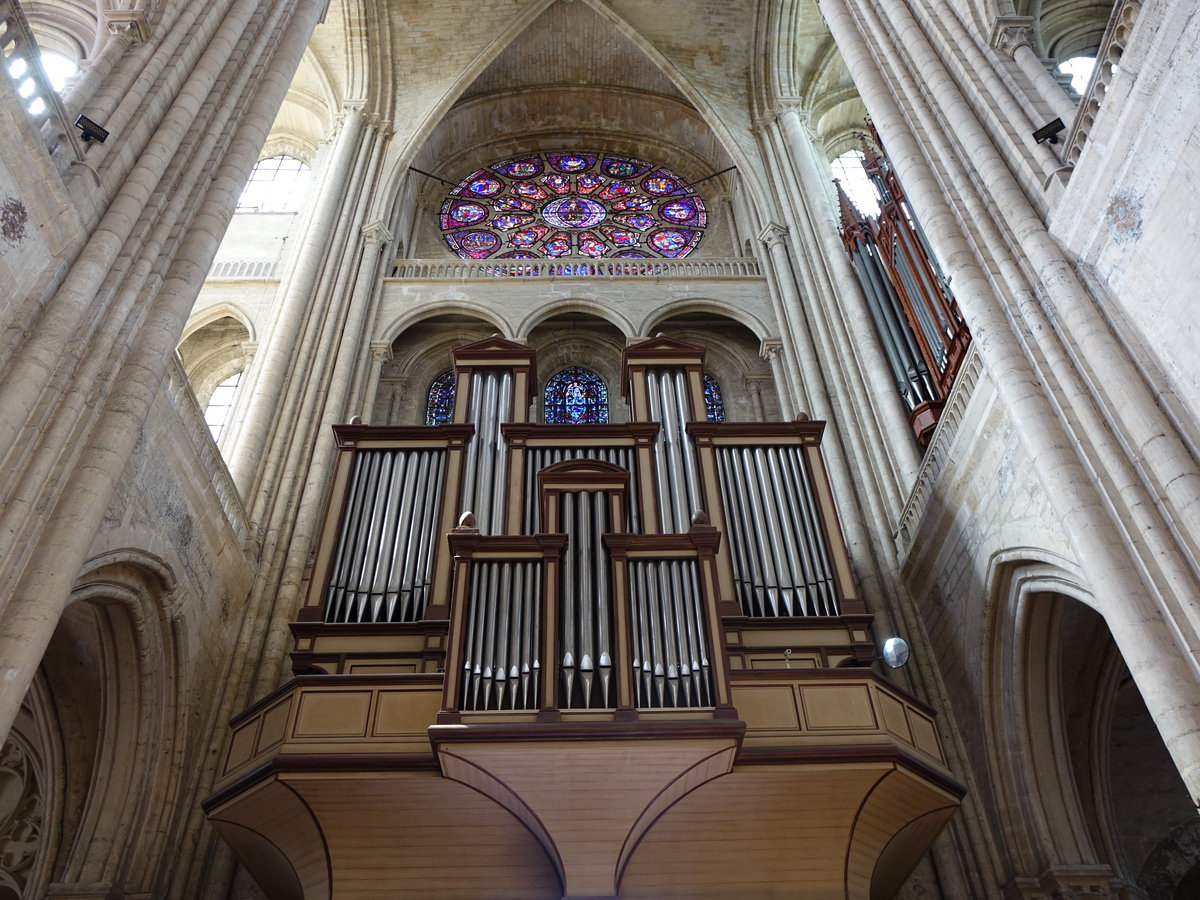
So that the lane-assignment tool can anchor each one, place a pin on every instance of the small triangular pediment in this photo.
(495, 342)
(493, 351)
(572, 469)
(661, 350)
(661, 342)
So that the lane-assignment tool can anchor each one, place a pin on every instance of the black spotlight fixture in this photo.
(91, 131)
(1049, 132)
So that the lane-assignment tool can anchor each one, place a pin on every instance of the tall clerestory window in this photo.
(58, 69)
(220, 405)
(576, 396)
(439, 402)
(848, 171)
(1080, 69)
(278, 184)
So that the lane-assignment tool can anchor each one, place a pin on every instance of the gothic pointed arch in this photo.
(418, 359)
(99, 734)
(1085, 785)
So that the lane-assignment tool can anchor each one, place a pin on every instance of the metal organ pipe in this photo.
(383, 560)
(678, 483)
(671, 666)
(500, 663)
(537, 458)
(777, 544)
(585, 593)
(485, 467)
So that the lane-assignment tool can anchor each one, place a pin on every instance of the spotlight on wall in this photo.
(91, 131)
(894, 652)
(1049, 132)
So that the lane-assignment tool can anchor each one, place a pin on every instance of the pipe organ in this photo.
(626, 504)
(580, 628)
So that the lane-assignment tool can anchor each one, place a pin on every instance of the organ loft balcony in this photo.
(582, 661)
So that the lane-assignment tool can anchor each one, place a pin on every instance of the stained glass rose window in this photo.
(573, 204)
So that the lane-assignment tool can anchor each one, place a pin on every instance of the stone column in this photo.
(814, 180)
(125, 28)
(1011, 36)
(375, 237)
(381, 353)
(279, 344)
(771, 350)
(1159, 659)
(780, 271)
(32, 612)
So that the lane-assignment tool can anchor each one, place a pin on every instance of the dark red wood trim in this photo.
(587, 731)
(626, 434)
(808, 431)
(348, 436)
(343, 629)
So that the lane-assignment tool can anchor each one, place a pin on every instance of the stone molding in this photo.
(1010, 33)
(381, 352)
(375, 234)
(772, 233)
(127, 24)
(771, 349)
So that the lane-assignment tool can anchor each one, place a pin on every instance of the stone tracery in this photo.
(573, 204)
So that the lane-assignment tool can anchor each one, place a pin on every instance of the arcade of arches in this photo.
(436, 224)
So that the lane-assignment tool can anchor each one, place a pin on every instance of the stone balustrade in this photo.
(577, 267)
(242, 268)
(23, 63)
(1112, 47)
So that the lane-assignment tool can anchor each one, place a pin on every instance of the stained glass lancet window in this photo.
(714, 403)
(573, 204)
(576, 396)
(439, 404)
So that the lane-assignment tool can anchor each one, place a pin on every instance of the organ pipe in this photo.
(383, 563)
(780, 556)
(585, 597)
(485, 472)
(501, 667)
(670, 661)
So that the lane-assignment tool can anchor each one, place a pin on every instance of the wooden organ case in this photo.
(620, 636)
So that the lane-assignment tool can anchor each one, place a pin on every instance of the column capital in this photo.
(350, 108)
(773, 233)
(792, 108)
(1010, 33)
(381, 352)
(128, 25)
(771, 349)
(376, 233)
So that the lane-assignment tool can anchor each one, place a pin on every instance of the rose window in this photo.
(573, 204)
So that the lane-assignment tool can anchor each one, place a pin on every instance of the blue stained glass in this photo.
(714, 403)
(439, 403)
(576, 396)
